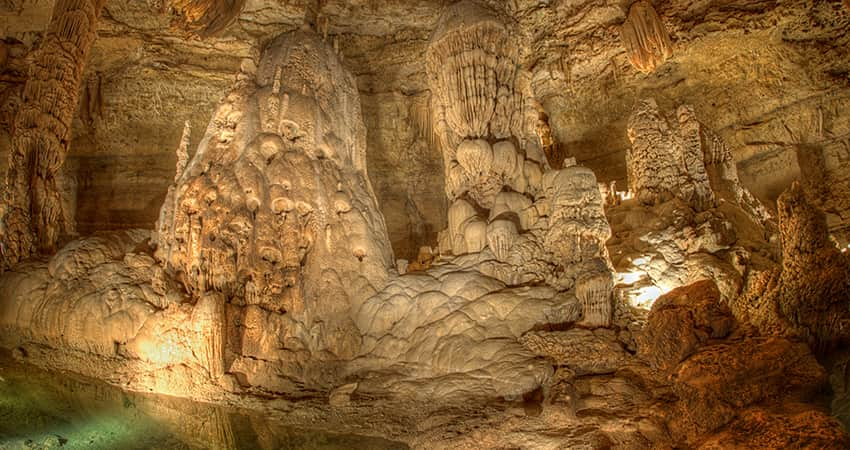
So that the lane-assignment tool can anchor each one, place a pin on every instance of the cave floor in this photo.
(40, 409)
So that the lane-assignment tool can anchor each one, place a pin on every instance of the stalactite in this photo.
(205, 18)
(32, 220)
(645, 38)
(183, 150)
(91, 103)
(476, 70)
(420, 115)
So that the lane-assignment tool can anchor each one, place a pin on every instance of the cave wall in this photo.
(770, 77)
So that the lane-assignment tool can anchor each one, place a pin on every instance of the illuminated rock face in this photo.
(269, 273)
(273, 269)
(266, 240)
(691, 219)
(276, 213)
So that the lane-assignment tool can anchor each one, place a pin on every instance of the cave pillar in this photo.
(33, 218)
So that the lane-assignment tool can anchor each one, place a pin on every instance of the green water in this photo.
(43, 410)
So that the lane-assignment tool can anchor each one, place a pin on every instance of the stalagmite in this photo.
(796, 300)
(539, 224)
(645, 37)
(666, 158)
(33, 221)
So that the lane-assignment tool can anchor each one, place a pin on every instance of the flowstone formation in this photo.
(528, 223)
(690, 218)
(267, 238)
(270, 269)
(276, 213)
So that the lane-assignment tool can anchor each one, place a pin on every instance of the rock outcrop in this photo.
(725, 383)
(690, 218)
(796, 300)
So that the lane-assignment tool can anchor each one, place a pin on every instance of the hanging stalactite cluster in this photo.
(204, 18)
(645, 37)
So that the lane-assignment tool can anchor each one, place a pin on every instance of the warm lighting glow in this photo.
(629, 277)
(625, 195)
(646, 297)
(642, 261)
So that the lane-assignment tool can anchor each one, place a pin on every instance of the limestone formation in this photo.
(719, 378)
(794, 300)
(532, 301)
(203, 18)
(540, 224)
(691, 219)
(645, 37)
(33, 219)
(242, 296)
(667, 159)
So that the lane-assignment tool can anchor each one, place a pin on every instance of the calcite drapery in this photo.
(540, 225)
(645, 37)
(204, 18)
(34, 216)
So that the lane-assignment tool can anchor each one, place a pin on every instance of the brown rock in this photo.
(680, 322)
(719, 381)
(809, 297)
(583, 351)
(791, 426)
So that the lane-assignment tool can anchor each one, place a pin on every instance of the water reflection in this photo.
(39, 410)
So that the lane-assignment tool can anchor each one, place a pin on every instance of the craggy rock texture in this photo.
(768, 77)
(33, 215)
(796, 299)
(204, 18)
(790, 426)
(517, 313)
(274, 274)
(541, 224)
(690, 218)
(681, 322)
(666, 161)
(725, 384)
